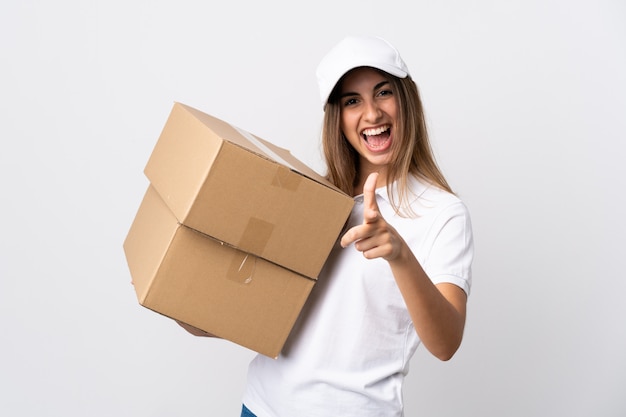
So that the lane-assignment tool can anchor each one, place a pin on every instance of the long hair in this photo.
(411, 152)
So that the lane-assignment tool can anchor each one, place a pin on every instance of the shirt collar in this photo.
(416, 187)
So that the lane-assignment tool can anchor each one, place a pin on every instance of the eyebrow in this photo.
(376, 87)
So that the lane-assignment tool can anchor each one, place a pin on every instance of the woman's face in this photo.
(368, 117)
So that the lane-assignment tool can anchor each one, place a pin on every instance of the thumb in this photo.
(370, 206)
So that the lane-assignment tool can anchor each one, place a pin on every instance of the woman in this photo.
(401, 273)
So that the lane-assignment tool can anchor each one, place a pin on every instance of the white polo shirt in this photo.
(350, 349)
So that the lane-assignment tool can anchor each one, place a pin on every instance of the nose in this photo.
(372, 111)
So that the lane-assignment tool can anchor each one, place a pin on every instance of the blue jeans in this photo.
(246, 413)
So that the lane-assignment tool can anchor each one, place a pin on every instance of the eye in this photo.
(385, 92)
(349, 101)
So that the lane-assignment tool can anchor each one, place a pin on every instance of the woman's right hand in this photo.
(194, 330)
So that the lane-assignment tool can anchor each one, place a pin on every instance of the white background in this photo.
(526, 102)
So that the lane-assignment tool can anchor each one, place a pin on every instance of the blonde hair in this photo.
(411, 151)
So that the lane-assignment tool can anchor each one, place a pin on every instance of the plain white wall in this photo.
(526, 102)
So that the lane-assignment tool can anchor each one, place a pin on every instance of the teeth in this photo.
(374, 132)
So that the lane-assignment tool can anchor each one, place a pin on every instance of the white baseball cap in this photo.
(357, 51)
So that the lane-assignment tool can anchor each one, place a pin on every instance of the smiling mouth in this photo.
(378, 138)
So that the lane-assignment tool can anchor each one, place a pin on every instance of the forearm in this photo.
(438, 312)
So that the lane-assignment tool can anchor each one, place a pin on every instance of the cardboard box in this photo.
(232, 232)
(244, 191)
(184, 274)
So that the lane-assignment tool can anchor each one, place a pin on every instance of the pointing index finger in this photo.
(370, 206)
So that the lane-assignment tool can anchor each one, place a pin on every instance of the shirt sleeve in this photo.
(451, 247)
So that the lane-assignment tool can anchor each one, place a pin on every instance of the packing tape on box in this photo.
(242, 268)
(267, 151)
(286, 179)
(253, 240)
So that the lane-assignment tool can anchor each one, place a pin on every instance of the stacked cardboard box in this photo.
(232, 232)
